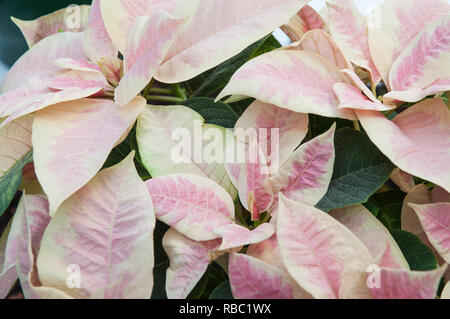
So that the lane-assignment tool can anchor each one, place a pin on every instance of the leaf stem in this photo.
(181, 93)
(162, 98)
(147, 89)
(356, 125)
(161, 91)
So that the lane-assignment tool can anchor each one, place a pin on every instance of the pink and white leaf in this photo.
(307, 19)
(300, 81)
(446, 292)
(59, 21)
(416, 140)
(320, 42)
(189, 260)
(268, 251)
(403, 180)
(166, 136)
(435, 220)
(280, 130)
(72, 141)
(375, 236)
(212, 37)
(404, 284)
(15, 142)
(251, 278)
(348, 27)
(8, 252)
(439, 195)
(254, 188)
(351, 97)
(393, 25)
(195, 206)
(235, 236)
(318, 251)
(106, 228)
(148, 44)
(360, 84)
(424, 60)
(97, 43)
(119, 16)
(306, 175)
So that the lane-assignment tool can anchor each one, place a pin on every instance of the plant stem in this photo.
(162, 98)
(179, 91)
(356, 125)
(161, 91)
(147, 89)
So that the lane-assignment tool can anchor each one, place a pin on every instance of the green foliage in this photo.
(360, 169)
(390, 208)
(212, 81)
(223, 291)
(418, 255)
(214, 113)
(10, 181)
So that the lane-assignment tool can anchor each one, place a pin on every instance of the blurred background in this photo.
(12, 44)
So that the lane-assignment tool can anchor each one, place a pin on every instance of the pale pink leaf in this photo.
(268, 251)
(106, 228)
(446, 292)
(307, 19)
(424, 60)
(72, 141)
(119, 16)
(413, 94)
(96, 43)
(251, 278)
(360, 84)
(404, 284)
(189, 260)
(255, 190)
(351, 97)
(15, 142)
(417, 140)
(375, 236)
(410, 222)
(306, 175)
(280, 131)
(234, 236)
(191, 204)
(300, 81)
(439, 195)
(394, 24)
(348, 28)
(403, 180)
(170, 141)
(318, 251)
(320, 42)
(70, 19)
(212, 36)
(435, 220)
(8, 257)
(148, 43)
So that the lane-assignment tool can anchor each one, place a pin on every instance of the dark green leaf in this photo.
(214, 80)
(10, 181)
(240, 106)
(122, 150)
(212, 278)
(223, 291)
(390, 208)
(360, 169)
(319, 124)
(214, 113)
(418, 255)
(159, 282)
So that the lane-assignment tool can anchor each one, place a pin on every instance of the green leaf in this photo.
(240, 106)
(214, 113)
(212, 278)
(121, 151)
(360, 169)
(161, 262)
(319, 125)
(223, 291)
(418, 255)
(214, 80)
(390, 208)
(10, 181)
(159, 282)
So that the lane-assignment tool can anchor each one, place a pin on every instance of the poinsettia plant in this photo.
(174, 149)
